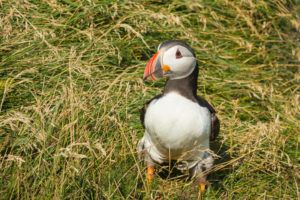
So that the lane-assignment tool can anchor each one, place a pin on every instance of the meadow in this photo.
(71, 91)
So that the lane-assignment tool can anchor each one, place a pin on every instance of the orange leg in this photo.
(202, 187)
(202, 184)
(150, 172)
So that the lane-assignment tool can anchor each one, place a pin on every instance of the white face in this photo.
(180, 60)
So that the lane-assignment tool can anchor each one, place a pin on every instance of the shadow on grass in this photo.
(216, 178)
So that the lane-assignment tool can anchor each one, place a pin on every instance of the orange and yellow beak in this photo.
(155, 68)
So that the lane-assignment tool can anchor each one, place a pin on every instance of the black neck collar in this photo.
(186, 87)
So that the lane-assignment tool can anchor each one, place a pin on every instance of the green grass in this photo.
(71, 89)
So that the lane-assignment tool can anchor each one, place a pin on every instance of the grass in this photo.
(71, 89)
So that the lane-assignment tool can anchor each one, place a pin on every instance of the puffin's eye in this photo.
(178, 54)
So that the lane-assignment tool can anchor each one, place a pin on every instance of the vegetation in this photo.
(71, 89)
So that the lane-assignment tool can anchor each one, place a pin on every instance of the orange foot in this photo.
(150, 172)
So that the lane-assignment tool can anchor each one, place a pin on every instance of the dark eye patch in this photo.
(178, 54)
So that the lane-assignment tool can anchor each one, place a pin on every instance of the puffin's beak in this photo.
(154, 70)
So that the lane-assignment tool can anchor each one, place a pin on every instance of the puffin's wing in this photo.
(144, 109)
(215, 127)
(215, 123)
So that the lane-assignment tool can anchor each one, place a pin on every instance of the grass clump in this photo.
(71, 90)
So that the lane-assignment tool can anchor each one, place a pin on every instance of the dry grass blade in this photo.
(71, 88)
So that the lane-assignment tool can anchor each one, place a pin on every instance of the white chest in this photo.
(177, 123)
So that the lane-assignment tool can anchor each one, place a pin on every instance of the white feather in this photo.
(176, 128)
(181, 67)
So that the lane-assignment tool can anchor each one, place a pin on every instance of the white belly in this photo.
(175, 125)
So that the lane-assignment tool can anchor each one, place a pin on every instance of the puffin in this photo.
(179, 125)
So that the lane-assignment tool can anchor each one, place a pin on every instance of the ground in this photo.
(71, 89)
